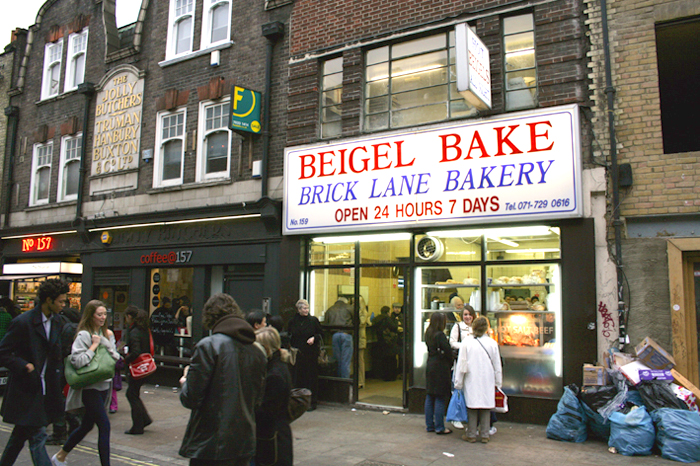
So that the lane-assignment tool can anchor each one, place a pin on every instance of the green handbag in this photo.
(100, 368)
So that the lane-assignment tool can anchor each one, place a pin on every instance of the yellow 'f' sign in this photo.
(238, 94)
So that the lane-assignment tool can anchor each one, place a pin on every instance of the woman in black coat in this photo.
(437, 374)
(271, 417)
(138, 341)
(306, 335)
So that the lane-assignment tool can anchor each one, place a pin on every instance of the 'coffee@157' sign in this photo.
(524, 166)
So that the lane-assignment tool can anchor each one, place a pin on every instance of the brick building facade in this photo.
(653, 55)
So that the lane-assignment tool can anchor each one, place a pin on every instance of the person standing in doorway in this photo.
(31, 350)
(306, 334)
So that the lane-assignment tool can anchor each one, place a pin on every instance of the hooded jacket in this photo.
(224, 386)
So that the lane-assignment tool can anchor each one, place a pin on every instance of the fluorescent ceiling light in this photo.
(175, 222)
(525, 251)
(539, 230)
(363, 238)
(512, 244)
(36, 235)
(454, 233)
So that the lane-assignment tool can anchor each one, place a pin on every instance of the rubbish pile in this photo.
(635, 403)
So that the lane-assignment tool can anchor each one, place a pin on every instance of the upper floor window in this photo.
(170, 143)
(41, 174)
(77, 50)
(331, 97)
(216, 24)
(519, 54)
(52, 69)
(69, 167)
(214, 154)
(412, 83)
(180, 27)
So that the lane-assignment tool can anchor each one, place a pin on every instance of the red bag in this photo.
(501, 402)
(144, 365)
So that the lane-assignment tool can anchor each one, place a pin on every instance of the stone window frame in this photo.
(331, 96)
(203, 133)
(69, 156)
(528, 94)
(207, 23)
(42, 156)
(179, 11)
(74, 40)
(53, 60)
(161, 141)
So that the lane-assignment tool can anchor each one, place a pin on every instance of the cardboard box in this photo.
(683, 382)
(653, 374)
(594, 375)
(631, 371)
(654, 356)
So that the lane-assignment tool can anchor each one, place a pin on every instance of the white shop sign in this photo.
(473, 67)
(520, 167)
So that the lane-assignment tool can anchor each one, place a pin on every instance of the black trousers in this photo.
(139, 415)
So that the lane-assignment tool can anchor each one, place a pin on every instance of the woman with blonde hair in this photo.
(95, 398)
(272, 421)
(306, 334)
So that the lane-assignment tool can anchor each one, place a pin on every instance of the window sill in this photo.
(191, 55)
(49, 205)
(188, 186)
(57, 97)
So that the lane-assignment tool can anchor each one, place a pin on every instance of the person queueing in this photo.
(437, 374)
(95, 398)
(460, 332)
(306, 334)
(478, 372)
(139, 342)
(271, 417)
(31, 350)
(223, 386)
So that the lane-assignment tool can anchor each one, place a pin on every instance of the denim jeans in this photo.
(342, 350)
(37, 445)
(434, 413)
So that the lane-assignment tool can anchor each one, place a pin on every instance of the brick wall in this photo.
(663, 183)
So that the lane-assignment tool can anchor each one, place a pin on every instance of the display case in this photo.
(24, 291)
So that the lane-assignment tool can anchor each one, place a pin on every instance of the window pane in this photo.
(42, 191)
(376, 88)
(333, 66)
(377, 122)
(522, 41)
(332, 113)
(321, 253)
(520, 79)
(419, 80)
(332, 129)
(172, 158)
(520, 99)
(380, 104)
(54, 78)
(375, 72)
(419, 115)
(419, 97)
(377, 56)
(217, 152)
(183, 7)
(413, 47)
(520, 60)
(183, 36)
(70, 178)
(219, 28)
(78, 69)
(460, 108)
(419, 64)
(515, 24)
(332, 97)
(332, 81)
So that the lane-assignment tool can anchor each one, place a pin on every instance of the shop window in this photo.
(180, 28)
(41, 174)
(52, 69)
(523, 243)
(170, 140)
(69, 173)
(171, 291)
(216, 25)
(332, 251)
(412, 83)
(77, 50)
(331, 97)
(519, 55)
(214, 154)
(449, 246)
(678, 60)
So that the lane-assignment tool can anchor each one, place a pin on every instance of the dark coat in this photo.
(139, 343)
(26, 342)
(271, 417)
(300, 329)
(224, 386)
(437, 372)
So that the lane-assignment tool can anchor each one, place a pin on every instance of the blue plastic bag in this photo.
(632, 433)
(597, 425)
(569, 422)
(457, 409)
(678, 434)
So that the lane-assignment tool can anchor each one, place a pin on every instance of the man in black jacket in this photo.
(222, 387)
(31, 350)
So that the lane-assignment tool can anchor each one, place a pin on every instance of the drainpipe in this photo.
(272, 32)
(88, 90)
(614, 174)
(12, 114)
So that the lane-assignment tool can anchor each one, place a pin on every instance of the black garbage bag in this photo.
(596, 397)
(657, 394)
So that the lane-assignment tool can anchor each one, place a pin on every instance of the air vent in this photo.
(429, 248)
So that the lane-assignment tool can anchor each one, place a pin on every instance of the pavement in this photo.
(342, 435)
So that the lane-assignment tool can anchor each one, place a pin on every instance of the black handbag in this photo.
(299, 402)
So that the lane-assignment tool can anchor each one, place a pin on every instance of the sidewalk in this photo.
(338, 436)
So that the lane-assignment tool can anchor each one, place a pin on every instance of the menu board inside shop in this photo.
(117, 132)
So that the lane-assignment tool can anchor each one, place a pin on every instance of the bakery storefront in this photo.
(397, 224)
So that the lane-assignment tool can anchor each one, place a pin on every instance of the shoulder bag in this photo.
(100, 368)
(299, 402)
(143, 365)
(501, 401)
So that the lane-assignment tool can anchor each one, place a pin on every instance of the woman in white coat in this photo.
(478, 372)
